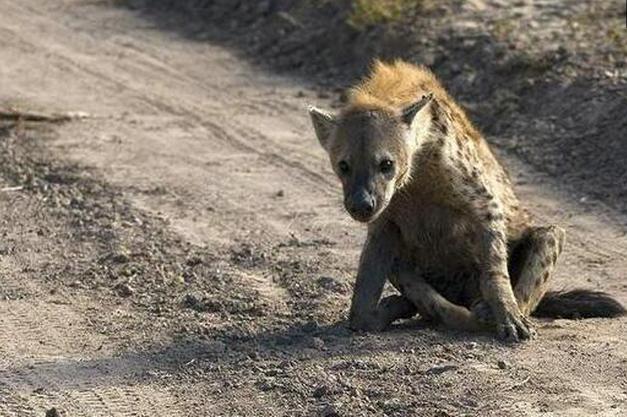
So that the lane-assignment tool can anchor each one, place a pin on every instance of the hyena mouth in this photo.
(362, 218)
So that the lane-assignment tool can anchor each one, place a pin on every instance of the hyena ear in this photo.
(410, 112)
(323, 122)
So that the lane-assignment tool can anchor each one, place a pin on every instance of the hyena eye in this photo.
(386, 166)
(343, 167)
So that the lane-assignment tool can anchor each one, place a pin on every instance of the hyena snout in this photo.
(361, 205)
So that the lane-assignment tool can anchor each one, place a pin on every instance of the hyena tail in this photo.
(578, 304)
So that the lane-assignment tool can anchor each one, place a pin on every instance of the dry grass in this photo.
(370, 12)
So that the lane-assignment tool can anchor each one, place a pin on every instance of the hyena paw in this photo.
(396, 307)
(483, 313)
(366, 323)
(513, 326)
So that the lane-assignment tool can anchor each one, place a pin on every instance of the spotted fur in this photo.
(445, 226)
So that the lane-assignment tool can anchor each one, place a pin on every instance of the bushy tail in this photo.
(578, 304)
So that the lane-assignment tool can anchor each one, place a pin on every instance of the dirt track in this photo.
(183, 252)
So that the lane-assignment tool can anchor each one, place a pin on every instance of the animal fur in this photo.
(444, 224)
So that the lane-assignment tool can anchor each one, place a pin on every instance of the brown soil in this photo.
(183, 252)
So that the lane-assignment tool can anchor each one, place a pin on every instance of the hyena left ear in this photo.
(410, 112)
(323, 122)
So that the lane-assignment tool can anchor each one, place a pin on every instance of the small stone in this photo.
(502, 364)
(53, 412)
(300, 94)
(317, 343)
(280, 193)
(191, 300)
(119, 258)
(193, 261)
(330, 284)
(320, 391)
(124, 289)
(264, 7)
(440, 369)
(289, 20)
(267, 384)
(310, 327)
(196, 302)
(330, 411)
(215, 346)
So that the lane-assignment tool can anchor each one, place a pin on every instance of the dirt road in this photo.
(183, 251)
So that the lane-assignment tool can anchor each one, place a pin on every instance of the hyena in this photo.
(444, 225)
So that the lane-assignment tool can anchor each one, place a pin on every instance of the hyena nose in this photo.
(362, 204)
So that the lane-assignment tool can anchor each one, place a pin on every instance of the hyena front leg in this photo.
(375, 266)
(532, 264)
(496, 286)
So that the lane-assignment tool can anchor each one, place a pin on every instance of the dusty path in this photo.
(223, 156)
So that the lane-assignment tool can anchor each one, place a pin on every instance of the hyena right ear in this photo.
(323, 122)
(410, 112)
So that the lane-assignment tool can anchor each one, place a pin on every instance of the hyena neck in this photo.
(456, 144)
(449, 152)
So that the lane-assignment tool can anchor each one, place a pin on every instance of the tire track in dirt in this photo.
(239, 138)
(51, 354)
(245, 138)
(48, 348)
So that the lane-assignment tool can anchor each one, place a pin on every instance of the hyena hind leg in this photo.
(431, 305)
(395, 307)
(532, 264)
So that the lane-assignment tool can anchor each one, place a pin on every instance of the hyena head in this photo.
(371, 151)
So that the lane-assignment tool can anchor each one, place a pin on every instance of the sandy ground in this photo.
(183, 251)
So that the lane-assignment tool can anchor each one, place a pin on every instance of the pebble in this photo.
(440, 369)
(267, 384)
(215, 346)
(502, 364)
(264, 6)
(320, 391)
(289, 19)
(53, 412)
(317, 343)
(124, 289)
(310, 327)
(330, 411)
(119, 258)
